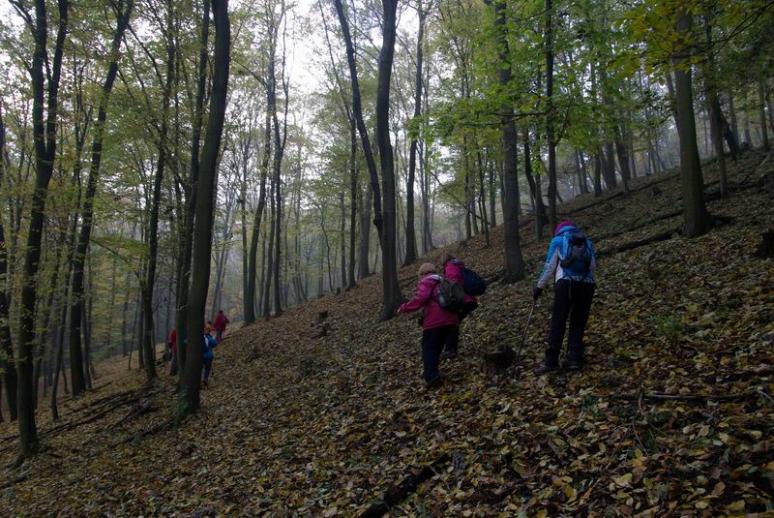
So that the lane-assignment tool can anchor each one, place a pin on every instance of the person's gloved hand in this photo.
(536, 293)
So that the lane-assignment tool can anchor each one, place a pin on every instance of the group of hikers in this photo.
(209, 343)
(447, 294)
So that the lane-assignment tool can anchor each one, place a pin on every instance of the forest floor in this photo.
(674, 413)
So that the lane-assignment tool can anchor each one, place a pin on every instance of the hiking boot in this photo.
(448, 355)
(544, 368)
(572, 365)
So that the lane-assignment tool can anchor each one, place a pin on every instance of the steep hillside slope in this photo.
(674, 411)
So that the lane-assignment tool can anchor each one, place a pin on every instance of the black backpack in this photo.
(473, 283)
(450, 295)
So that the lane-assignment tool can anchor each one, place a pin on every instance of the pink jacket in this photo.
(220, 322)
(433, 315)
(453, 271)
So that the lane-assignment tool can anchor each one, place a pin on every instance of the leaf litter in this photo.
(673, 413)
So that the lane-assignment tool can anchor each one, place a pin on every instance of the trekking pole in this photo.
(526, 329)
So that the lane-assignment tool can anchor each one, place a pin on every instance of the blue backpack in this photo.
(576, 253)
(472, 283)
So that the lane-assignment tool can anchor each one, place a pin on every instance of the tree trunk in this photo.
(86, 326)
(250, 309)
(484, 218)
(364, 247)
(268, 262)
(584, 172)
(149, 341)
(358, 113)
(44, 132)
(762, 111)
(112, 303)
(77, 374)
(124, 313)
(6, 347)
(534, 188)
(279, 152)
(343, 239)
(514, 264)
(391, 295)
(466, 170)
(598, 173)
(492, 192)
(696, 218)
(623, 157)
(550, 140)
(630, 148)
(716, 127)
(202, 235)
(353, 199)
(769, 103)
(411, 239)
(732, 114)
(59, 360)
(187, 218)
(48, 309)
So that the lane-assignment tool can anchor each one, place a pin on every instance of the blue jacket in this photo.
(209, 344)
(553, 261)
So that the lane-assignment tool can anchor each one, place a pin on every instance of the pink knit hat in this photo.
(562, 224)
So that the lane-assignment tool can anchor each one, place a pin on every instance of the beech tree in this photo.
(205, 194)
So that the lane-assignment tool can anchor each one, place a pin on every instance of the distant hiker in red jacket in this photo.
(438, 324)
(172, 344)
(452, 270)
(221, 321)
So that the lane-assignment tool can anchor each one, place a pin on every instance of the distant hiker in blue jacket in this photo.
(210, 343)
(572, 260)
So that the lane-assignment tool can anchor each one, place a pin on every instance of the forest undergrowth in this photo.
(326, 415)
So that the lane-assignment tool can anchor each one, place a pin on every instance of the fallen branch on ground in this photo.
(620, 193)
(15, 480)
(145, 406)
(408, 485)
(158, 427)
(117, 402)
(696, 398)
(663, 236)
(644, 224)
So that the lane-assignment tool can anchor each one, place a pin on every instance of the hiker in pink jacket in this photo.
(452, 270)
(438, 324)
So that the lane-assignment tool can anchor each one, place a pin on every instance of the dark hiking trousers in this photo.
(433, 341)
(454, 340)
(571, 299)
(207, 369)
